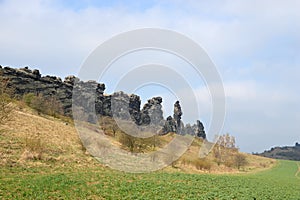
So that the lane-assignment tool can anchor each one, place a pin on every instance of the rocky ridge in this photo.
(118, 104)
(285, 153)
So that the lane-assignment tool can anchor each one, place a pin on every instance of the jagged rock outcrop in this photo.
(177, 117)
(152, 112)
(134, 108)
(120, 105)
(126, 107)
(169, 126)
(25, 81)
(90, 95)
(70, 80)
(176, 125)
(188, 129)
(199, 129)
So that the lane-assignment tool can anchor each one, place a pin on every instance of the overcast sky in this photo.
(254, 44)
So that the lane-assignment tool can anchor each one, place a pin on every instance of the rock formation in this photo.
(177, 117)
(199, 129)
(91, 95)
(189, 130)
(170, 126)
(134, 108)
(152, 112)
(176, 125)
(26, 81)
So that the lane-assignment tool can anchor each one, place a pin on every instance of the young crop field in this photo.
(281, 182)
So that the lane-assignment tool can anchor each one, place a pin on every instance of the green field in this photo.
(99, 183)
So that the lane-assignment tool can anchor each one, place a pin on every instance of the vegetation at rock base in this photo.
(42, 157)
(6, 107)
(129, 142)
(53, 96)
(50, 105)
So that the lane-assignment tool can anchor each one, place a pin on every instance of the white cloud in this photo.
(237, 91)
(255, 44)
(260, 111)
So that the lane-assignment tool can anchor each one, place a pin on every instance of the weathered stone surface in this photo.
(134, 108)
(120, 105)
(199, 129)
(176, 125)
(90, 97)
(169, 126)
(177, 111)
(177, 117)
(25, 81)
(152, 112)
(188, 130)
(36, 73)
(70, 80)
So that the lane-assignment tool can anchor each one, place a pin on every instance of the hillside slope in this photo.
(284, 153)
(31, 140)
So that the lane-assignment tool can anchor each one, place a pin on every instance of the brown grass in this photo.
(31, 139)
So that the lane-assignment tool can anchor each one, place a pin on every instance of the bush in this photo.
(27, 98)
(109, 125)
(136, 144)
(50, 106)
(202, 164)
(229, 162)
(240, 160)
(38, 103)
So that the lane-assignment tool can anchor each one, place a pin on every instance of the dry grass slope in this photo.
(32, 140)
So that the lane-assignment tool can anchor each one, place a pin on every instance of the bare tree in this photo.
(224, 147)
(53, 106)
(240, 160)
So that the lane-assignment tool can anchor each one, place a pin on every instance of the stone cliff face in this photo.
(26, 81)
(152, 112)
(118, 104)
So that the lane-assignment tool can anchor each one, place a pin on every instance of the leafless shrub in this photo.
(202, 164)
(224, 150)
(240, 160)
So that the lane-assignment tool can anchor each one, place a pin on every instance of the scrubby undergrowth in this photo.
(31, 139)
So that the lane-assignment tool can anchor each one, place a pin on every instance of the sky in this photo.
(255, 46)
